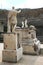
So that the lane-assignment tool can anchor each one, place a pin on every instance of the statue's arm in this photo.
(17, 11)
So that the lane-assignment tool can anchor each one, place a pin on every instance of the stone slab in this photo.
(9, 56)
(28, 49)
(41, 49)
(12, 55)
(10, 41)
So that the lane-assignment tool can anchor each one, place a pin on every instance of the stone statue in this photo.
(12, 19)
(22, 24)
(26, 23)
(33, 31)
(31, 27)
(36, 42)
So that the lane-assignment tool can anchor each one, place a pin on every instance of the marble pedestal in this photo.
(12, 50)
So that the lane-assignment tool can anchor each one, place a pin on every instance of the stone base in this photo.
(28, 49)
(10, 41)
(12, 55)
(41, 49)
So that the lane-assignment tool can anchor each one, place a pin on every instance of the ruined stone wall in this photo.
(33, 16)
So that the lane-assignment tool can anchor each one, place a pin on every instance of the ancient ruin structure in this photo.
(12, 49)
(29, 39)
(33, 16)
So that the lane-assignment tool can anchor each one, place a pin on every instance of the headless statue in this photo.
(12, 19)
(22, 24)
(26, 23)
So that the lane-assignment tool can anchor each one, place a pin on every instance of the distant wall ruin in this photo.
(33, 16)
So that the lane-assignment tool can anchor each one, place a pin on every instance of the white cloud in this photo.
(33, 4)
(3, 4)
(7, 4)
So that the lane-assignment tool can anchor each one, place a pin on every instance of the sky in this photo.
(7, 4)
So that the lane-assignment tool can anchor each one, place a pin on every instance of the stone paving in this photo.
(26, 60)
(39, 61)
